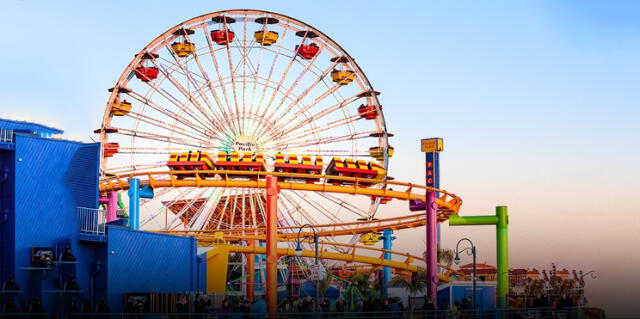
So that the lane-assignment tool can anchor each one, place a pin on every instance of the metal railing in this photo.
(533, 313)
(6, 136)
(92, 220)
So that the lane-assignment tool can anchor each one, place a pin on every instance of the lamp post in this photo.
(299, 254)
(470, 251)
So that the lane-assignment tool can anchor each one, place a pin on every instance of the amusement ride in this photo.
(238, 127)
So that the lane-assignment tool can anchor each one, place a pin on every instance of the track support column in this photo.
(135, 193)
(112, 205)
(251, 269)
(387, 244)
(502, 252)
(501, 220)
(272, 244)
(432, 247)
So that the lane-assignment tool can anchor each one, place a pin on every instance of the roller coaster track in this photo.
(448, 203)
(323, 230)
(406, 265)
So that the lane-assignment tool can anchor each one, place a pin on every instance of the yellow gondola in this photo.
(183, 49)
(266, 37)
(343, 77)
(377, 152)
(121, 108)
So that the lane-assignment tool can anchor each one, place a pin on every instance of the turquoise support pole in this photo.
(135, 193)
(501, 220)
(134, 203)
(387, 244)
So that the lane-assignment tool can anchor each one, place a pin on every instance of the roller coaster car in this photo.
(293, 165)
(307, 51)
(370, 239)
(222, 37)
(343, 77)
(368, 112)
(266, 37)
(121, 108)
(190, 161)
(183, 49)
(377, 152)
(146, 73)
(111, 149)
(247, 162)
(352, 168)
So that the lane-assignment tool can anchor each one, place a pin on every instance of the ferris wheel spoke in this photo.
(283, 121)
(182, 106)
(222, 113)
(164, 138)
(206, 210)
(331, 216)
(299, 208)
(165, 126)
(176, 219)
(228, 109)
(314, 117)
(166, 112)
(185, 92)
(324, 140)
(325, 127)
(166, 205)
(219, 117)
(223, 212)
(289, 91)
(271, 71)
(344, 204)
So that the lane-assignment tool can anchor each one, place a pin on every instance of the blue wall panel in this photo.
(142, 262)
(47, 184)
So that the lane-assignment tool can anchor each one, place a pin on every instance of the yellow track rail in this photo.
(448, 203)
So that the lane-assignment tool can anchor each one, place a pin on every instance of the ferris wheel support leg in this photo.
(251, 269)
(432, 244)
(272, 244)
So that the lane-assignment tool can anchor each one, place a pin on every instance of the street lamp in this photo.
(299, 254)
(470, 251)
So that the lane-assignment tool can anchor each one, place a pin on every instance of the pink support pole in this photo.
(432, 244)
(112, 205)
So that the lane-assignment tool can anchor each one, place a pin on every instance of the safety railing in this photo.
(530, 313)
(6, 136)
(92, 220)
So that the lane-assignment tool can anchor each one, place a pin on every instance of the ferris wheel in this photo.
(243, 82)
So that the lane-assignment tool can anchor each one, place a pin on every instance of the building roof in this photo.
(478, 266)
(29, 127)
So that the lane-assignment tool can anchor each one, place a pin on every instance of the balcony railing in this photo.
(6, 136)
(92, 220)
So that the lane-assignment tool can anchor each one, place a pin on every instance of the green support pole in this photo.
(502, 251)
(501, 220)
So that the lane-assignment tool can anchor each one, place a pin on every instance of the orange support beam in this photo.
(251, 269)
(272, 244)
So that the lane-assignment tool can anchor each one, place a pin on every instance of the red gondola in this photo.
(368, 112)
(111, 149)
(146, 73)
(222, 37)
(307, 51)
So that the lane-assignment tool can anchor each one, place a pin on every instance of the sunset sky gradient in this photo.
(538, 103)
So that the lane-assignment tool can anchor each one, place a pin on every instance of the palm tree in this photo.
(414, 284)
(445, 256)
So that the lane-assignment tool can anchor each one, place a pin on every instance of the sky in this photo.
(538, 103)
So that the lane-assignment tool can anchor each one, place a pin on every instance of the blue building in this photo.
(49, 211)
